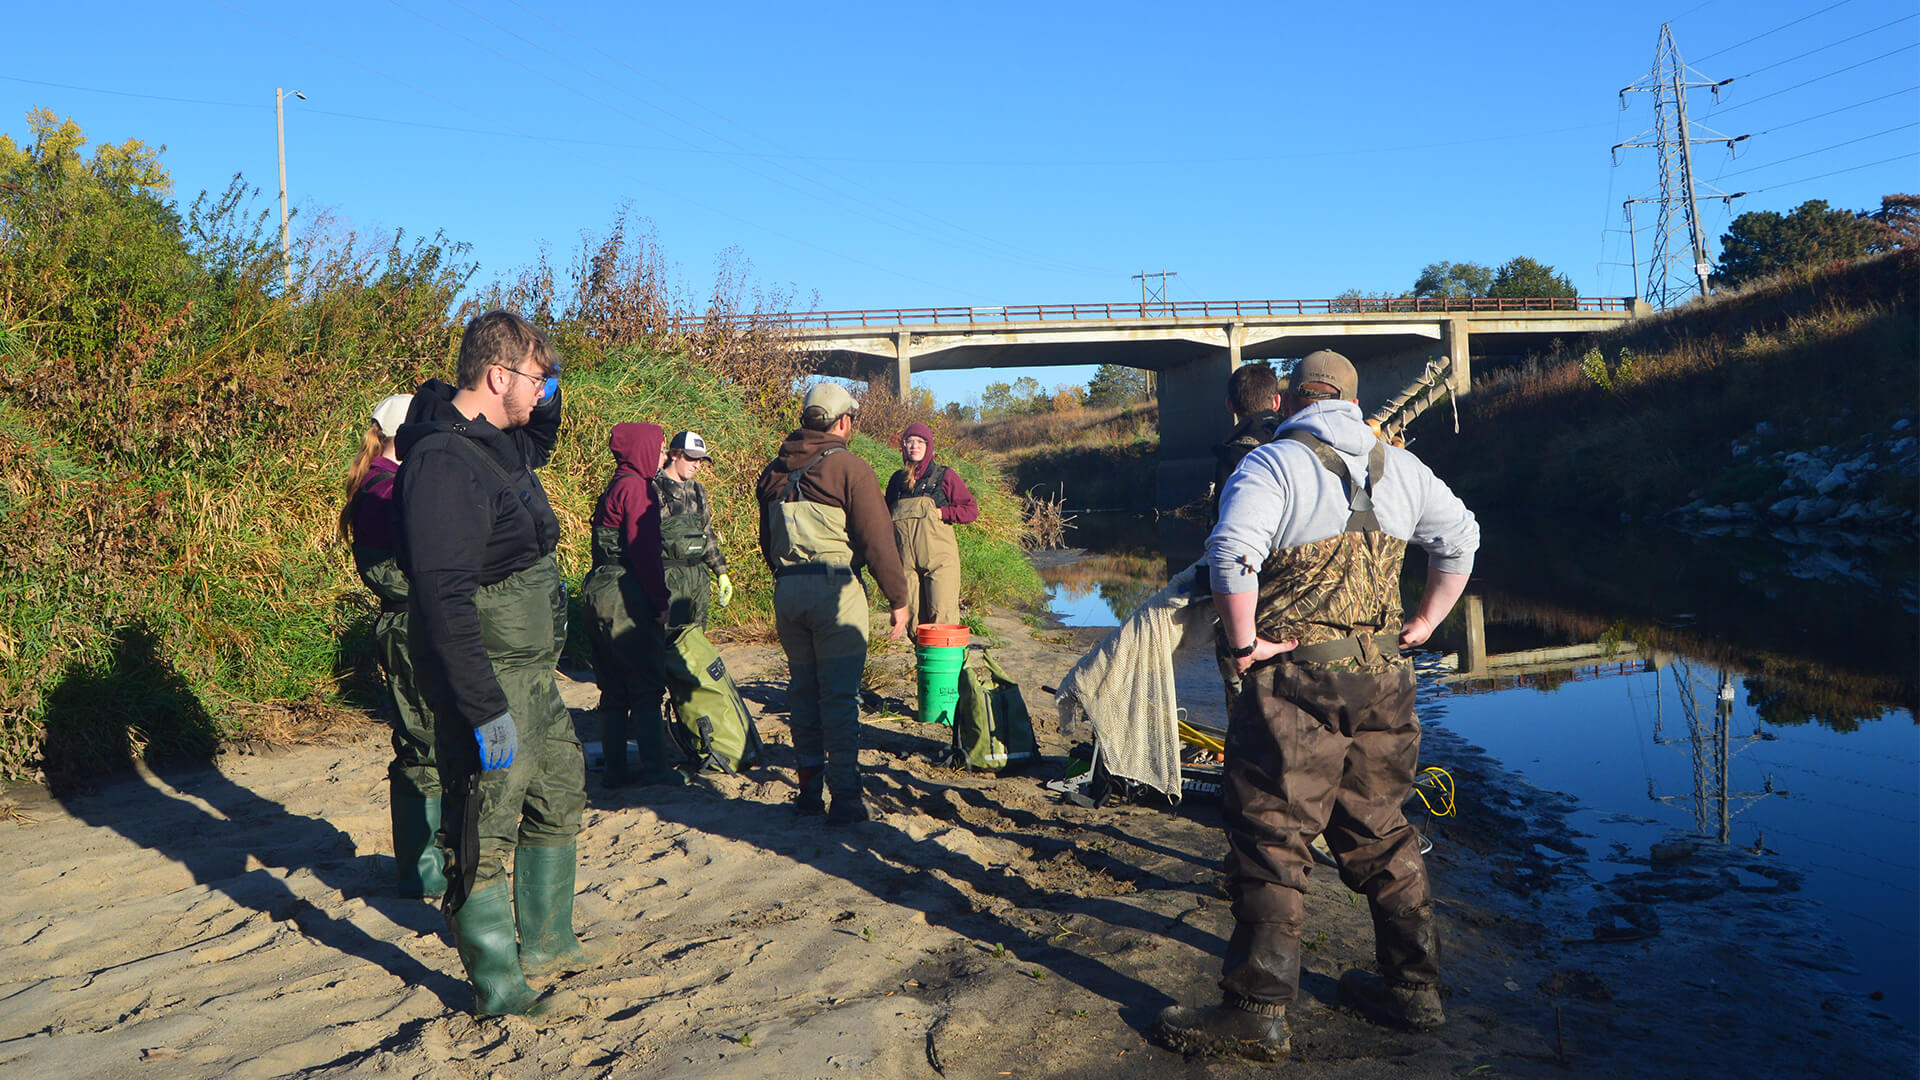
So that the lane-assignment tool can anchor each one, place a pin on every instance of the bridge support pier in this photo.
(1193, 416)
(902, 373)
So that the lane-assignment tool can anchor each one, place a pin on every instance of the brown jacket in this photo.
(848, 482)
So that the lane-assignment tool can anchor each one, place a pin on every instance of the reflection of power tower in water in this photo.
(1712, 757)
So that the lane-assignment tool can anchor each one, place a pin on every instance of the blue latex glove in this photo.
(498, 740)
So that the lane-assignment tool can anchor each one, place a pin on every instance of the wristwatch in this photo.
(1243, 651)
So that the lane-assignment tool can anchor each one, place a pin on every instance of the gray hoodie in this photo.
(1282, 497)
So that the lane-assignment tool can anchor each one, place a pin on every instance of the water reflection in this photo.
(1733, 690)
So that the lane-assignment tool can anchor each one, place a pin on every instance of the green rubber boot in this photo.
(543, 908)
(484, 935)
(419, 864)
(657, 752)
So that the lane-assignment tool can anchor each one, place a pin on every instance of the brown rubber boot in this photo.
(1416, 1008)
(1219, 1030)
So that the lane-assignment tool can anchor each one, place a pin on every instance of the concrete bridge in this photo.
(1194, 346)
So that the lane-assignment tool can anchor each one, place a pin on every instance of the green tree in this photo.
(1448, 279)
(1524, 278)
(1763, 242)
(1114, 384)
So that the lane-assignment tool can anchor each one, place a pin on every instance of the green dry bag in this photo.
(715, 728)
(991, 729)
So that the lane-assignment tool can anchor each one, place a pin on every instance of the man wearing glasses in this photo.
(476, 537)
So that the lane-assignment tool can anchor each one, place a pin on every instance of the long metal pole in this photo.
(286, 245)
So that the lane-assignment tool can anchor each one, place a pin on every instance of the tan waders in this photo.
(534, 803)
(931, 558)
(820, 614)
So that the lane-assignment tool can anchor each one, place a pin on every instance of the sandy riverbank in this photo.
(230, 921)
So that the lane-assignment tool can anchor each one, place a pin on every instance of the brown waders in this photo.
(1311, 752)
(931, 557)
(530, 810)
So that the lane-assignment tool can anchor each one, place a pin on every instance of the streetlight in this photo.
(280, 121)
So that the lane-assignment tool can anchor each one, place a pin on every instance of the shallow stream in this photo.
(1739, 691)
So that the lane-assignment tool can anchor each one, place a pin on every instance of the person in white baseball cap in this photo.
(689, 545)
(413, 779)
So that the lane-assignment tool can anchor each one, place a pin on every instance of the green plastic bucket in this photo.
(942, 651)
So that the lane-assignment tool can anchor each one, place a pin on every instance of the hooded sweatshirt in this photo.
(628, 505)
(461, 524)
(957, 505)
(1282, 497)
(845, 481)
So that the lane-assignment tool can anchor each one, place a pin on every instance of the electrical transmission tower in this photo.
(1672, 138)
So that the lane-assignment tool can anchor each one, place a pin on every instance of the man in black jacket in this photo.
(1253, 393)
(476, 539)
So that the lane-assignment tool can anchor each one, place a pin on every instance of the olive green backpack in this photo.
(715, 728)
(992, 731)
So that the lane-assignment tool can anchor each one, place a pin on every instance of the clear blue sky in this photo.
(894, 155)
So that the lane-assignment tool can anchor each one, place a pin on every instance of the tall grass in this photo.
(174, 424)
(1820, 354)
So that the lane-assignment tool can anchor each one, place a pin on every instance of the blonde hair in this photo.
(372, 444)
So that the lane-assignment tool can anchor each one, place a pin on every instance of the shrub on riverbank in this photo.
(175, 423)
(1667, 409)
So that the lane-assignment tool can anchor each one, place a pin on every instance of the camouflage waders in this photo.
(1324, 740)
(931, 558)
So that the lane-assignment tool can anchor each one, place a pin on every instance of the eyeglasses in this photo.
(549, 382)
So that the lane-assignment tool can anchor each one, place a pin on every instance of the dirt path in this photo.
(230, 921)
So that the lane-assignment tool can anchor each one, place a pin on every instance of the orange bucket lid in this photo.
(929, 633)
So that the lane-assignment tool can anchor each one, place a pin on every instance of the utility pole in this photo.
(1158, 293)
(1671, 138)
(280, 122)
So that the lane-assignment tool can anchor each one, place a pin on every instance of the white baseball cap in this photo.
(391, 413)
(691, 444)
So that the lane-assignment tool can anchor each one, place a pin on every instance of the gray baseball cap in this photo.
(828, 401)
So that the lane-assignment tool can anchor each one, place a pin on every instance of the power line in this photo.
(131, 94)
(1775, 30)
(999, 248)
(1815, 79)
(1841, 109)
(1829, 45)
(1836, 172)
(1824, 149)
(718, 211)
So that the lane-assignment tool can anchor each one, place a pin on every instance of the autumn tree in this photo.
(1115, 384)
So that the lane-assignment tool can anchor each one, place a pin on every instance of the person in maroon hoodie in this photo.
(927, 500)
(626, 597)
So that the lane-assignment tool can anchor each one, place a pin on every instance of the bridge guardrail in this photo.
(1182, 309)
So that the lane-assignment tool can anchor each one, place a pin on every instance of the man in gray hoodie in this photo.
(1305, 565)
